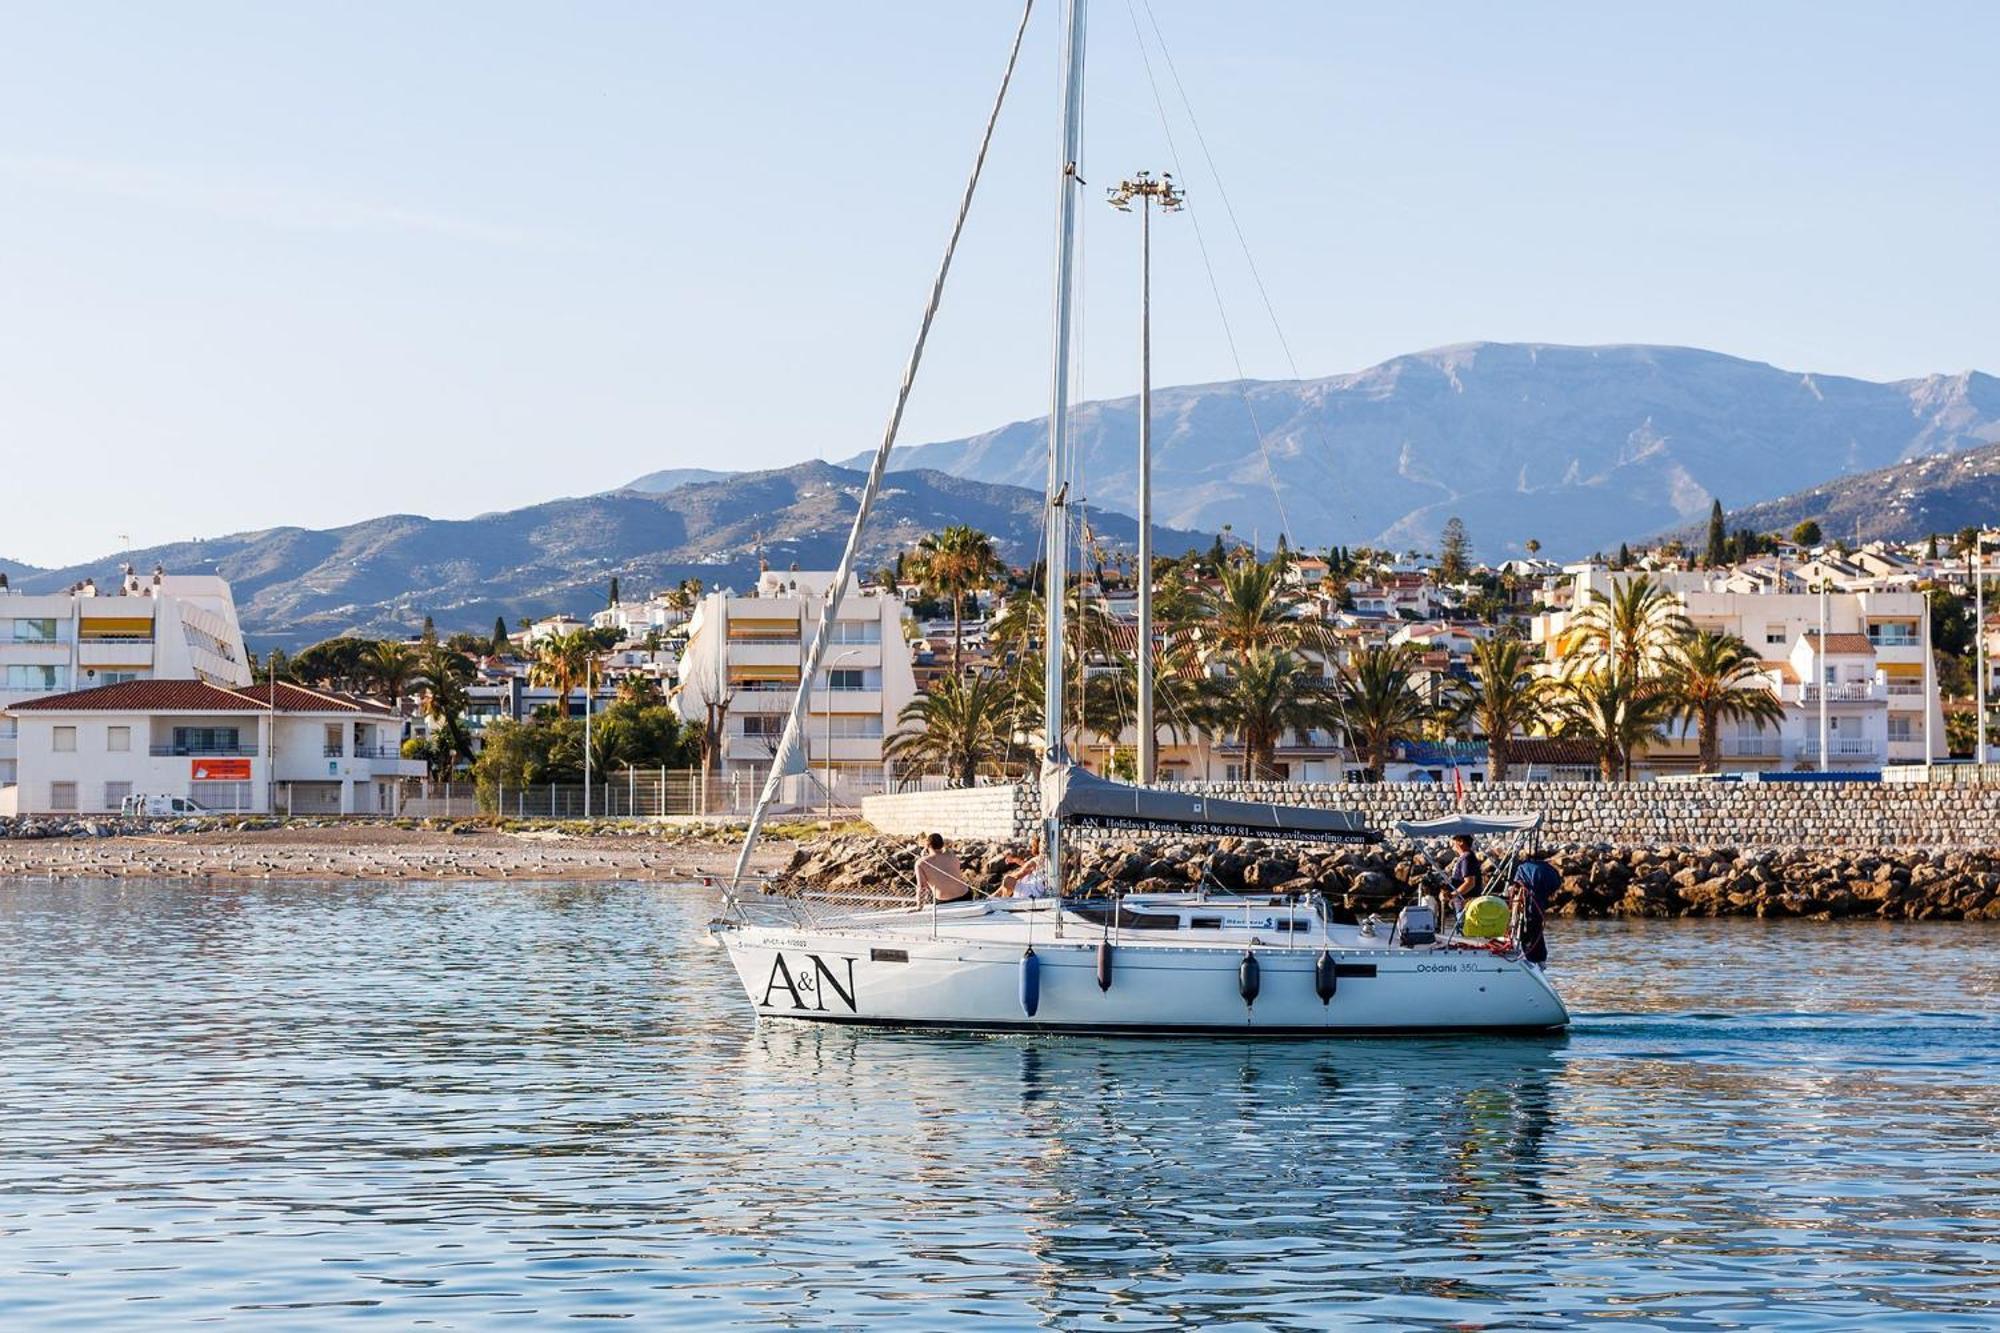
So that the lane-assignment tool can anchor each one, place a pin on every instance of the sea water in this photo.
(469, 1106)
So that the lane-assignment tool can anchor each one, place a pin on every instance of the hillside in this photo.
(384, 575)
(1579, 447)
(1901, 503)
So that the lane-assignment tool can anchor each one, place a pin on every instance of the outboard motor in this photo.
(1416, 924)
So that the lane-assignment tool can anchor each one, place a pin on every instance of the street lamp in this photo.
(837, 660)
(1148, 191)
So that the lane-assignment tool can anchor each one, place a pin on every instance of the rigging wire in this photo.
(1242, 241)
(816, 655)
(1214, 286)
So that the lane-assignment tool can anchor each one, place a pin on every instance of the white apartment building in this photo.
(156, 626)
(744, 656)
(247, 749)
(1881, 698)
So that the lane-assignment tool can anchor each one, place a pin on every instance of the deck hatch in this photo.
(898, 956)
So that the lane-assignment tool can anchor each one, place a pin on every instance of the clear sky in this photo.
(309, 263)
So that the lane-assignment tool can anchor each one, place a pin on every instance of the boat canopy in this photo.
(1080, 799)
(1476, 825)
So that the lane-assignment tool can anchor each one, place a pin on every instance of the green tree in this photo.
(1505, 696)
(1533, 546)
(445, 675)
(333, 664)
(959, 728)
(1379, 702)
(1623, 560)
(563, 662)
(1250, 608)
(1267, 692)
(391, 666)
(1626, 631)
(953, 564)
(612, 597)
(1717, 553)
(1454, 552)
(1618, 713)
(1807, 533)
(1712, 678)
(430, 634)
(502, 644)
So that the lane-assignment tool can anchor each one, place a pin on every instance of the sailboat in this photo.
(1171, 963)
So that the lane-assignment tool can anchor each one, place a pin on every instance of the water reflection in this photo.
(550, 1101)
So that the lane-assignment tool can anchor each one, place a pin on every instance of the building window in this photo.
(39, 629)
(758, 724)
(116, 677)
(34, 676)
(855, 631)
(206, 740)
(1775, 636)
(115, 794)
(62, 796)
(64, 740)
(118, 738)
(1901, 729)
(334, 733)
(854, 726)
(847, 678)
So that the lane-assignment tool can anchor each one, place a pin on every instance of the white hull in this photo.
(965, 972)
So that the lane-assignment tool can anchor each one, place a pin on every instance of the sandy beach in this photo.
(381, 851)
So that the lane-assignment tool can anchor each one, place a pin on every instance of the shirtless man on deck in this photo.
(940, 878)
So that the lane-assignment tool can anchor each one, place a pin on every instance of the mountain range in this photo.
(1905, 502)
(382, 576)
(1578, 447)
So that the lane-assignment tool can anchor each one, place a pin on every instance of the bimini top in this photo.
(1082, 800)
(1475, 825)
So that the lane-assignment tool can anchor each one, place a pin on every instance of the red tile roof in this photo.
(1844, 643)
(194, 696)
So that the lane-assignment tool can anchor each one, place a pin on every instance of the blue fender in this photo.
(1247, 979)
(1326, 977)
(1031, 982)
(1104, 965)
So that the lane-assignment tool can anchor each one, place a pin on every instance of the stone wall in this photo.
(984, 813)
(1639, 814)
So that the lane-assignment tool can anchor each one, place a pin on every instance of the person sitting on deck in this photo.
(1535, 884)
(940, 878)
(1030, 879)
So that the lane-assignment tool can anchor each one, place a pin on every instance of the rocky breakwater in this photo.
(1598, 880)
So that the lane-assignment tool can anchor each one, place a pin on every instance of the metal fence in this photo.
(642, 793)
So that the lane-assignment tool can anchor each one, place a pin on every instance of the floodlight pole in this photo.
(1147, 191)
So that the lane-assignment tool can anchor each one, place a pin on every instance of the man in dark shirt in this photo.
(1535, 884)
(1466, 878)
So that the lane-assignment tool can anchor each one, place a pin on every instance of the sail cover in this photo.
(1476, 825)
(1083, 800)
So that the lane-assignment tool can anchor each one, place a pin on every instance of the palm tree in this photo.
(1267, 693)
(960, 727)
(445, 675)
(1618, 714)
(1380, 704)
(1252, 608)
(392, 666)
(1630, 630)
(1715, 678)
(953, 563)
(1505, 696)
(562, 661)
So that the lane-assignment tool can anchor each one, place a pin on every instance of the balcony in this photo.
(1912, 690)
(846, 701)
(1840, 747)
(246, 750)
(1842, 692)
(1751, 747)
(362, 752)
(122, 651)
(764, 652)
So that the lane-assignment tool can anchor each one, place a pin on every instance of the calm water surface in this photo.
(464, 1106)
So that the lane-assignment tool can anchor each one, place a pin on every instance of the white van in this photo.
(160, 807)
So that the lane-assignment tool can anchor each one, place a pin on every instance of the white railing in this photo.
(1840, 747)
(1751, 747)
(1847, 691)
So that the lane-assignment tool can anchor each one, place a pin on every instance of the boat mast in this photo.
(1056, 561)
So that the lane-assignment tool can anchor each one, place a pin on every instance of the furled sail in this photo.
(1082, 800)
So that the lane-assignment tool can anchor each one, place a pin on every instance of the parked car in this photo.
(161, 807)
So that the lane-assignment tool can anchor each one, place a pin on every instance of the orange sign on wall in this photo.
(221, 770)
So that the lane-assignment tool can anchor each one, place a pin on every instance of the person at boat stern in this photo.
(940, 878)
(1534, 887)
(1466, 877)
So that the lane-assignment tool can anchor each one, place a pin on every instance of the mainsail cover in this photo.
(1083, 800)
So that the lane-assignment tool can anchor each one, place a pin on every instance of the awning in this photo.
(1474, 825)
(1082, 800)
